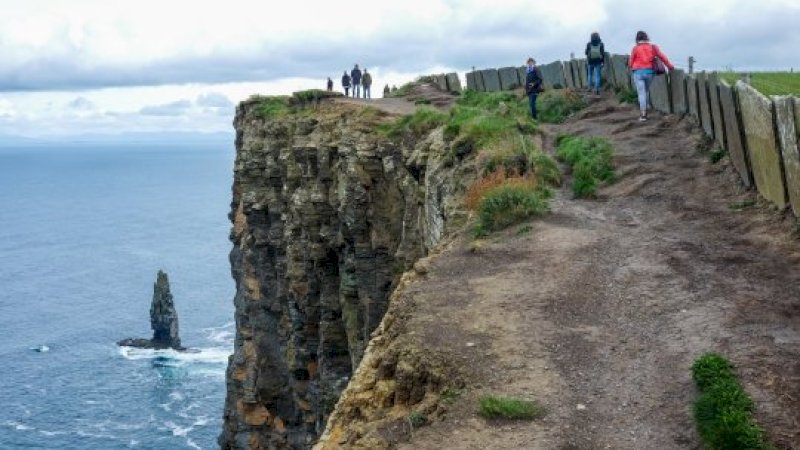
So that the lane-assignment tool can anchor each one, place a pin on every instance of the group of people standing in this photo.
(646, 61)
(355, 80)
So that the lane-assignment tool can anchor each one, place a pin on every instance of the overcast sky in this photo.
(105, 66)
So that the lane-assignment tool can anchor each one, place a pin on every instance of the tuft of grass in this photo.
(417, 419)
(271, 107)
(591, 160)
(514, 200)
(422, 121)
(717, 154)
(525, 229)
(518, 154)
(481, 118)
(494, 407)
(450, 395)
(742, 205)
(628, 95)
(723, 411)
(555, 106)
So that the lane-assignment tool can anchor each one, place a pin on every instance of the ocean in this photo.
(83, 231)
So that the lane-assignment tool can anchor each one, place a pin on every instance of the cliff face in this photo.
(327, 215)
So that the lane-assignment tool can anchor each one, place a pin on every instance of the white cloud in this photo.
(81, 103)
(176, 108)
(214, 100)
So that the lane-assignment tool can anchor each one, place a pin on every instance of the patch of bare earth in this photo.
(599, 311)
(420, 94)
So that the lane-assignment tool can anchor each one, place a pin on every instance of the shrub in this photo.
(628, 95)
(513, 200)
(717, 154)
(723, 412)
(492, 407)
(518, 154)
(417, 419)
(420, 122)
(591, 160)
(556, 105)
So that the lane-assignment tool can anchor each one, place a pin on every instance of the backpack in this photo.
(594, 53)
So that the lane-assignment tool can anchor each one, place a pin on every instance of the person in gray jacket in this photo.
(355, 78)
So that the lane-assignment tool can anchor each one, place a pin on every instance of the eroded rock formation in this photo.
(163, 319)
(327, 214)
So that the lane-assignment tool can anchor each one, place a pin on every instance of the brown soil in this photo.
(599, 311)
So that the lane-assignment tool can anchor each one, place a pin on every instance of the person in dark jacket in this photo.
(366, 80)
(596, 58)
(533, 85)
(346, 83)
(355, 78)
(330, 85)
(386, 91)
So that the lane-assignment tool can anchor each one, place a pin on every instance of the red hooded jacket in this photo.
(643, 54)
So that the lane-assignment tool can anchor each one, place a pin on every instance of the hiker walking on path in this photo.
(330, 85)
(646, 60)
(533, 85)
(366, 80)
(596, 58)
(355, 78)
(346, 84)
(386, 91)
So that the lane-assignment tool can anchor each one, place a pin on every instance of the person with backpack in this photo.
(596, 58)
(355, 78)
(533, 85)
(646, 60)
(366, 80)
(330, 85)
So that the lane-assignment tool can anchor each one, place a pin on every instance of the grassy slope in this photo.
(770, 83)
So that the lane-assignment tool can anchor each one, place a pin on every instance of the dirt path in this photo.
(600, 310)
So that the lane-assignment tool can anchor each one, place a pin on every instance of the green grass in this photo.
(422, 121)
(555, 106)
(591, 160)
(519, 155)
(417, 419)
(271, 107)
(510, 203)
(480, 118)
(717, 154)
(628, 95)
(723, 411)
(493, 407)
(769, 83)
(742, 205)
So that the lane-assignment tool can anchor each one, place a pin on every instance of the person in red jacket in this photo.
(643, 56)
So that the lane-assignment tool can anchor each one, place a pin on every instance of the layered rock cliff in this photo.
(327, 214)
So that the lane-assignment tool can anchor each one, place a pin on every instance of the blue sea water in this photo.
(83, 231)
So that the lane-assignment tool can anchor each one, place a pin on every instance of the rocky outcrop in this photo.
(327, 214)
(163, 319)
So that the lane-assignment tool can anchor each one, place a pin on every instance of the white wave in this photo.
(41, 348)
(52, 433)
(178, 430)
(192, 444)
(170, 357)
(17, 426)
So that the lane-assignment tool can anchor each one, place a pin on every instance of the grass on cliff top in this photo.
(591, 160)
(480, 118)
(556, 105)
(769, 83)
(494, 407)
(723, 411)
(421, 122)
(502, 199)
(282, 105)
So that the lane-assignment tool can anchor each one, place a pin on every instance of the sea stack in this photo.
(163, 319)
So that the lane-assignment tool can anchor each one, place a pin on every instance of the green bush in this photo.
(591, 160)
(628, 95)
(554, 106)
(717, 154)
(723, 411)
(510, 203)
(492, 407)
(481, 118)
(519, 155)
(422, 121)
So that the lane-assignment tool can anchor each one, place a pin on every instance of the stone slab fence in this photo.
(760, 133)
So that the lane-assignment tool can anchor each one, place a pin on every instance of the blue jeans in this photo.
(367, 91)
(642, 79)
(532, 100)
(595, 76)
(356, 90)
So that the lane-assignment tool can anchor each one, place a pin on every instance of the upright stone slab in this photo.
(608, 71)
(786, 117)
(659, 94)
(521, 73)
(622, 76)
(765, 156)
(441, 81)
(453, 82)
(677, 85)
(491, 80)
(583, 67)
(716, 110)
(553, 74)
(692, 99)
(472, 84)
(509, 78)
(735, 143)
(568, 75)
(705, 105)
(479, 81)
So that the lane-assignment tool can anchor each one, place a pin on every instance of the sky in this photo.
(108, 67)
